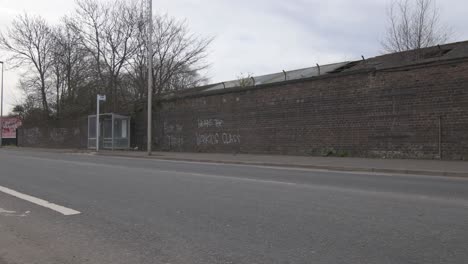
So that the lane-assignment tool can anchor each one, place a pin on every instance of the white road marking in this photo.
(60, 209)
(4, 212)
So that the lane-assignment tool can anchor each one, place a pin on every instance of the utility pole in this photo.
(1, 109)
(99, 98)
(150, 74)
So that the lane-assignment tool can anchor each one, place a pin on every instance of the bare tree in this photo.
(179, 57)
(108, 32)
(29, 41)
(101, 48)
(414, 25)
(137, 67)
(72, 68)
(58, 78)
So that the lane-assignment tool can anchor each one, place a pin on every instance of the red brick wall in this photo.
(386, 113)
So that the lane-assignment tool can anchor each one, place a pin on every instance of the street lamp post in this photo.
(150, 75)
(1, 109)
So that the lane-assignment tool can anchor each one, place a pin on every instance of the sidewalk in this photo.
(418, 167)
(397, 166)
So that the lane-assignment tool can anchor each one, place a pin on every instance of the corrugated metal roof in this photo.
(281, 76)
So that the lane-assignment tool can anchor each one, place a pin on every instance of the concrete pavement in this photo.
(397, 166)
(401, 166)
(156, 211)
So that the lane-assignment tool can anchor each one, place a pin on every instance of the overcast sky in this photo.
(262, 36)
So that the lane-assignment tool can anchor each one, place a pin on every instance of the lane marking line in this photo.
(55, 207)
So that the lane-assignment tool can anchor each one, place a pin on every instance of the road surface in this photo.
(76, 208)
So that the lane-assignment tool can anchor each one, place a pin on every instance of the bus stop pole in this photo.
(97, 123)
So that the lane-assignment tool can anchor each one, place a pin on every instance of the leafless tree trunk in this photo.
(178, 55)
(58, 85)
(414, 25)
(72, 58)
(178, 58)
(88, 22)
(108, 33)
(30, 42)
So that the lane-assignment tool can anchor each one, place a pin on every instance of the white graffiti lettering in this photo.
(170, 128)
(218, 138)
(207, 123)
(175, 141)
(229, 138)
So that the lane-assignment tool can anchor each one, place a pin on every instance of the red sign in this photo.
(10, 124)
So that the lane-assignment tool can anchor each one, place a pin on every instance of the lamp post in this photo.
(1, 109)
(150, 75)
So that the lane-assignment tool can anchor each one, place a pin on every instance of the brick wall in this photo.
(53, 134)
(393, 113)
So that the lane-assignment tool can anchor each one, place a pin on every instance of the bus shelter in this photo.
(114, 131)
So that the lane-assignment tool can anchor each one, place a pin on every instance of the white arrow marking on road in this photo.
(63, 210)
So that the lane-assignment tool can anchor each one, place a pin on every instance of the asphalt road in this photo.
(148, 211)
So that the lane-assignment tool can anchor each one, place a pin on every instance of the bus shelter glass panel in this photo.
(121, 133)
(91, 131)
(114, 131)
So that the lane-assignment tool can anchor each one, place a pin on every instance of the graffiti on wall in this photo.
(50, 137)
(208, 123)
(175, 141)
(207, 132)
(172, 128)
(32, 135)
(213, 133)
(173, 134)
(58, 135)
(218, 138)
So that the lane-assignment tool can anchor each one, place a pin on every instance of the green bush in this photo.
(331, 152)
